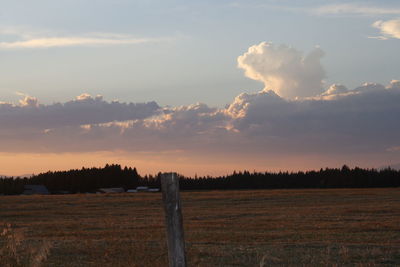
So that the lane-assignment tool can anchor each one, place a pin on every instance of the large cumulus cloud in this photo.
(284, 69)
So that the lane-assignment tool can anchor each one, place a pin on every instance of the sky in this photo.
(198, 87)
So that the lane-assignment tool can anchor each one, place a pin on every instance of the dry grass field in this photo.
(339, 227)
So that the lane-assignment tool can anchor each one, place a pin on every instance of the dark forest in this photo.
(91, 179)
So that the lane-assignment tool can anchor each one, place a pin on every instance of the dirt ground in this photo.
(330, 227)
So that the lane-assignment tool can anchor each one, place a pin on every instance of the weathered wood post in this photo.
(173, 218)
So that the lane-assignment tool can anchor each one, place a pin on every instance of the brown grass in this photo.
(340, 227)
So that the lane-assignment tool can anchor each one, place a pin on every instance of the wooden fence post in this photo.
(173, 218)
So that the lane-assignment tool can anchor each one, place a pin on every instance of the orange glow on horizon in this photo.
(14, 164)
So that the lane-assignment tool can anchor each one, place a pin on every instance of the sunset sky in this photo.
(199, 87)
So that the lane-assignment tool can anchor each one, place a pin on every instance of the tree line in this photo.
(91, 179)
(75, 181)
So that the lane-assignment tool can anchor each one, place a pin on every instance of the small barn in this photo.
(35, 190)
(153, 190)
(146, 189)
(112, 190)
(142, 188)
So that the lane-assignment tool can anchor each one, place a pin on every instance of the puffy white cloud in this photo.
(86, 96)
(239, 107)
(336, 89)
(28, 101)
(389, 28)
(369, 87)
(284, 69)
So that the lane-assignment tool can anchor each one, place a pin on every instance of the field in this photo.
(333, 227)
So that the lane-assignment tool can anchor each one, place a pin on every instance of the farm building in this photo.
(35, 190)
(112, 190)
(142, 188)
(153, 190)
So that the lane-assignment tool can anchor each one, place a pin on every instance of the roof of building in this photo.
(35, 190)
(112, 190)
(142, 188)
(154, 189)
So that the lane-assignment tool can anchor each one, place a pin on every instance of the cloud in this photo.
(22, 38)
(389, 28)
(354, 9)
(28, 101)
(85, 109)
(335, 89)
(336, 123)
(357, 9)
(284, 69)
(359, 120)
(363, 120)
(69, 41)
(394, 84)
